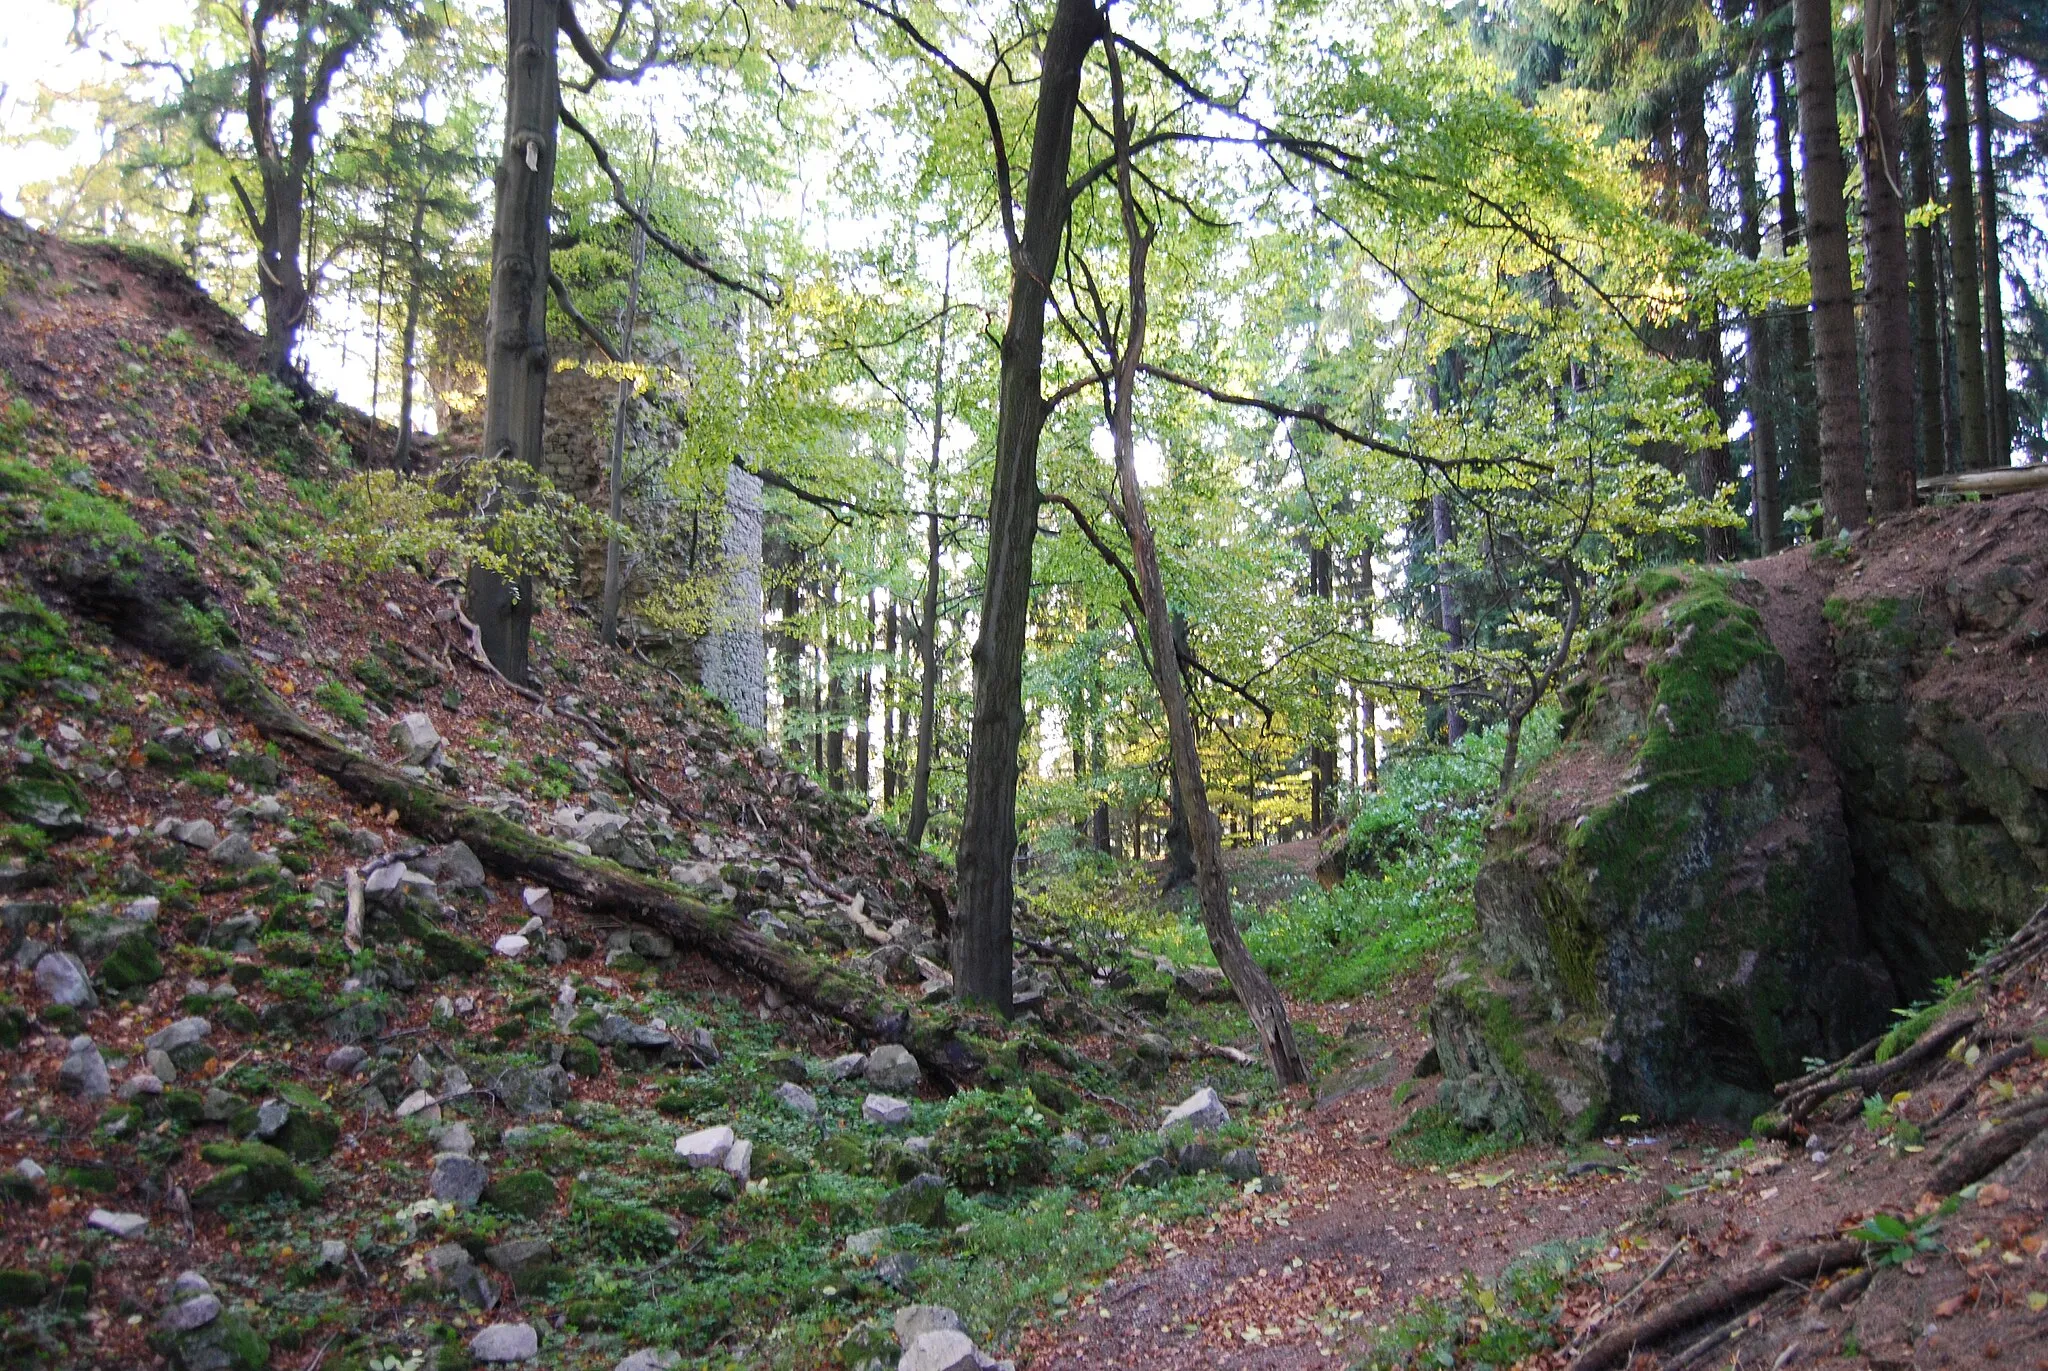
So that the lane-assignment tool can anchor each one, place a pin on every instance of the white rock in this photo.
(143, 910)
(539, 900)
(511, 945)
(188, 1284)
(1201, 1110)
(384, 880)
(187, 1315)
(867, 1242)
(846, 1067)
(84, 1071)
(739, 1162)
(706, 1147)
(944, 1350)
(196, 833)
(531, 927)
(913, 1321)
(651, 1359)
(891, 1067)
(120, 1225)
(61, 977)
(506, 1342)
(415, 737)
(798, 1099)
(183, 1033)
(28, 1170)
(421, 1103)
(886, 1110)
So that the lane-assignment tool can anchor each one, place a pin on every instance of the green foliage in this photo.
(344, 704)
(1434, 1137)
(993, 1140)
(1894, 1240)
(38, 648)
(498, 514)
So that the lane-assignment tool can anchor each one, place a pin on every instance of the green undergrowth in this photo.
(1505, 1321)
(1414, 850)
(1432, 1136)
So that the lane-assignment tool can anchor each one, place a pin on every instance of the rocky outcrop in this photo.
(1790, 797)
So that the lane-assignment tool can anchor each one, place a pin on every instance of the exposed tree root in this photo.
(1804, 1265)
(150, 600)
(1972, 1159)
(1997, 1063)
(1931, 1045)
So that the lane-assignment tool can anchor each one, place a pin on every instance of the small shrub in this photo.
(344, 704)
(992, 1141)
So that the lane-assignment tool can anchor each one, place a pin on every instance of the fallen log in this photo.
(1931, 1044)
(152, 598)
(1972, 1159)
(1804, 1265)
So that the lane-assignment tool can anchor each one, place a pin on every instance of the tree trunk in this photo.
(1758, 390)
(891, 715)
(981, 945)
(1887, 318)
(865, 702)
(622, 421)
(835, 692)
(789, 649)
(1447, 610)
(1262, 1003)
(1843, 503)
(1973, 452)
(1798, 386)
(1322, 757)
(1934, 456)
(516, 330)
(928, 625)
(401, 454)
(1997, 406)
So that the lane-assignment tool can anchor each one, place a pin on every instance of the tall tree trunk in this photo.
(835, 691)
(1798, 385)
(891, 715)
(1447, 609)
(622, 423)
(1758, 389)
(516, 329)
(1843, 503)
(789, 654)
(401, 453)
(1262, 1003)
(1973, 452)
(928, 624)
(981, 946)
(1322, 757)
(1887, 317)
(865, 702)
(1997, 405)
(1369, 732)
(1932, 375)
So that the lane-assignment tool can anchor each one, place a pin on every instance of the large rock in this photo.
(1666, 911)
(505, 1342)
(415, 738)
(1201, 1111)
(62, 979)
(940, 1350)
(451, 866)
(891, 1068)
(458, 1179)
(706, 1147)
(84, 1071)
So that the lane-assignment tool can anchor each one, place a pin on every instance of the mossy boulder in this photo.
(251, 1172)
(1665, 905)
(229, 1343)
(528, 1194)
(132, 963)
(20, 1289)
(43, 797)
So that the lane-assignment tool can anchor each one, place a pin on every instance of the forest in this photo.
(1460, 581)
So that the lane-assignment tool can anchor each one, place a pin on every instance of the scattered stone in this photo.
(944, 1350)
(896, 1271)
(415, 737)
(333, 1254)
(706, 1147)
(458, 1179)
(518, 1254)
(891, 1067)
(700, 1047)
(196, 1312)
(505, 1342)
(538, 900)
(141, 1085)
(651, 1359)
(456, 1137)
(739, 1162)
(62, 979)
(343, 1061)
(1201, 1110)
(271, 1117)
(452, 866)
(421, 1104)
(886, 1110)
(143, 910)
(797, 1099)
(1203, 984)
(120, 1225)
(29, 1170)
(1149, 1174)
(218, 1106)
(189, 1284)
(846, 1067)
(236, 934)
(1197, 1157)
(913, 1321)
(455, 1271)
(510, 945)
(183, 1033)
(84, 1072)
(385, 884)
(867, 1242)
(1242, 1164)
(160, 1065)
(921, 1200)
(235, 852)
(198, 833)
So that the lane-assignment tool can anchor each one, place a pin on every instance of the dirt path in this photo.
(1300, 1279)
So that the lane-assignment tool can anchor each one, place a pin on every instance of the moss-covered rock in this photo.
(1666, 902)
(132, 963)
(43, 797)
(229, 1343)
(251, 1172)
(20, 1289)
(529, 1194)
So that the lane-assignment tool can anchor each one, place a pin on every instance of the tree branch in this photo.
(583, 325)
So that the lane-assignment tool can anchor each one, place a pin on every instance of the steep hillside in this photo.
(376, 994)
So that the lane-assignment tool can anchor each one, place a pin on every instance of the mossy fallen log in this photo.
(149, 594)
